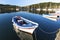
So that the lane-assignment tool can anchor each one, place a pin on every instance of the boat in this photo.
(53, 16)
(24, 27)
(50, 17)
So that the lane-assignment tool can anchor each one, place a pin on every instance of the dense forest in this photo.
(45, 5)
(41, 6)
(8, 8)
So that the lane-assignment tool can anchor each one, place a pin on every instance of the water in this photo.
(7, 32)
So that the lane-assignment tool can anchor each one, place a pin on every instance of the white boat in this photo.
(25, 29)
(53, 16)
(26, 23)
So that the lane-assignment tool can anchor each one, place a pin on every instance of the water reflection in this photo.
(41, 12)
(8, 11)
(7, 32)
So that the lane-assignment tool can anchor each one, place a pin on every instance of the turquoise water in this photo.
(42, 32)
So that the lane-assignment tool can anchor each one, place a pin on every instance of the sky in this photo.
(25, 2)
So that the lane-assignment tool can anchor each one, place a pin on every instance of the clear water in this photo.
(7, 32)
